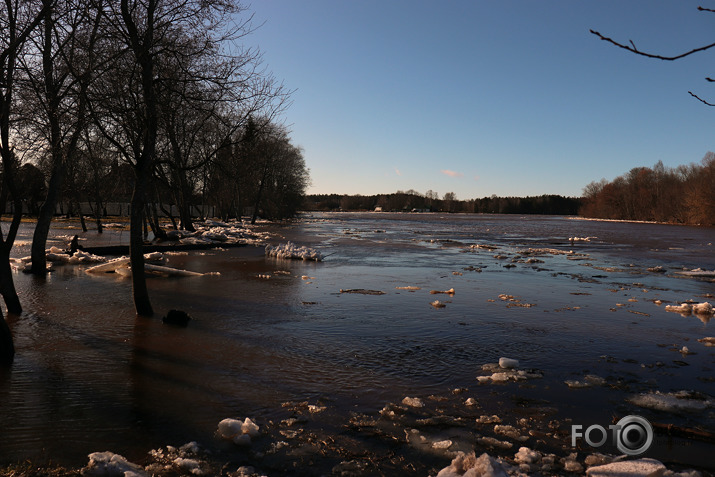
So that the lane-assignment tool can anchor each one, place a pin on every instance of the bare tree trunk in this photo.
(168, 213)
(136, 247)
(98, 217)
(81, 217)
(7, 348)
(7, 285)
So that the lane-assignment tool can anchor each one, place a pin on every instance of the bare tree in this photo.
(17, 21)
(633, 49)
(58, 74)
(155, 59)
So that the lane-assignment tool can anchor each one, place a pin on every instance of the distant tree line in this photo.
(413, 201)
(682, 195)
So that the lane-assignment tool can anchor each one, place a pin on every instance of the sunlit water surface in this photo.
(91, 376)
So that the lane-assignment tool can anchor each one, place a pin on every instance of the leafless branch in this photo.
(703, 9)
(700, 99)
(635, 50)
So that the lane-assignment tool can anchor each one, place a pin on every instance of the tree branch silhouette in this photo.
(700, 99)
(635, 50)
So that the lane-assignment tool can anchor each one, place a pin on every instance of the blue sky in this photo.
(512, 98)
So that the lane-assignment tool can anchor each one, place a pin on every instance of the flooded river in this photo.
(322, 354)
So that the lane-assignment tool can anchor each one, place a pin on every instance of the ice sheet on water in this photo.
(674, 402)
(290, 250)
(698, 272)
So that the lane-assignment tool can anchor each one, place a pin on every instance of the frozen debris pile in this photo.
(674, 402)
(216, 232)
(291, 251)
(469, 465)
(506, 370)
(184, 460)
(238, 431)
(109, 464)
(55, 254)
(704, 309)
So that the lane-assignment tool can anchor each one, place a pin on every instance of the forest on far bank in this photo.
(413, 201)
(680, 195)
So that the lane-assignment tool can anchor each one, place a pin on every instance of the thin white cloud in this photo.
(449, 173)
(397, 171)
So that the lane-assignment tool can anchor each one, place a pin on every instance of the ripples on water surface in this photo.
(90, 376)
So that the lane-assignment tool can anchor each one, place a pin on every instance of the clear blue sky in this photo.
(513, 98)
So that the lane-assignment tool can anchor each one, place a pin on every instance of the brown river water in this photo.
(324, 373)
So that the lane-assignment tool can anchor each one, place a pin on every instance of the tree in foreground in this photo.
(57, 70)
(17, 21)
(166, 50)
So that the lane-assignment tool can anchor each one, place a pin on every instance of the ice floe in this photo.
(705, 309)
(673, 402)
(588, 381)
(640, 467)
(290, 250)
(497, 374)
(446, 292)
(413, 402)
(697, 272)
(581, 239)
(508, 363)
(122, 266)
(238, 431)
(708, 340)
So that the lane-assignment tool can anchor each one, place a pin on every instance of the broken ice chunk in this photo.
(508, 363)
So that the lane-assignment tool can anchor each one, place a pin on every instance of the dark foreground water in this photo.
(324, 373)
